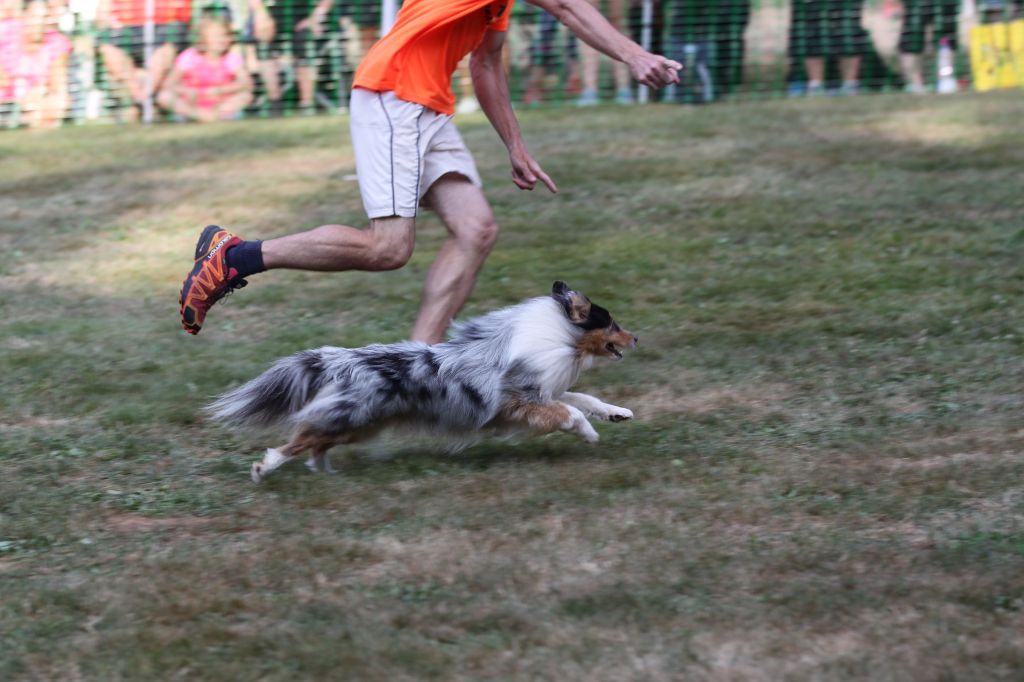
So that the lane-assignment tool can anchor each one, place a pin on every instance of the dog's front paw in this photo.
(578, 425)
(618, 414)
(589, 435)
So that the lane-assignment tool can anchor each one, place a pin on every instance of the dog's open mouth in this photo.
(613, 351)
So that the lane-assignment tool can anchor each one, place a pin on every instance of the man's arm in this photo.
(592, 28)
(315, 21)
(491, 88)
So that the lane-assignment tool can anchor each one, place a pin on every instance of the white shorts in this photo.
(401, 149)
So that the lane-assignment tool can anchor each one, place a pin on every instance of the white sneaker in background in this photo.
(467, 105)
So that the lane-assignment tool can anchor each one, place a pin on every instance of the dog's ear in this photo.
(559, 288)
(575, 304)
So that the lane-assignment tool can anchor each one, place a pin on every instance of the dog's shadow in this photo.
(400, 459)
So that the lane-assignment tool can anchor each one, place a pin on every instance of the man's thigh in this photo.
(460, 204)
(390, 138)
(446, 155)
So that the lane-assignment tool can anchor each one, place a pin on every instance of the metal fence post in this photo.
(148, 37)
(646, 21)
(388, 11)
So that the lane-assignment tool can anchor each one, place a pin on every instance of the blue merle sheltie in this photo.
(507, 371)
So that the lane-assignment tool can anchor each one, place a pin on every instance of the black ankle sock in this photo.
(246, 257)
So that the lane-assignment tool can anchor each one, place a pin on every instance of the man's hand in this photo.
(314, 23)
(264, 26)
(653, 70)
(526, 172)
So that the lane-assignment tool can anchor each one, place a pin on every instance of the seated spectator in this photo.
(33, 67)
(828, 28)
(123, 46)
(209, 82)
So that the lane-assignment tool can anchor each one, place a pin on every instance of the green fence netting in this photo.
(72, 61)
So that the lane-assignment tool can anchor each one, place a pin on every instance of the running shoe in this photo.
(210, 279)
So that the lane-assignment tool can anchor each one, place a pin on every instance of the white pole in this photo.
(646, 22)
(148, 37)
(388, 12)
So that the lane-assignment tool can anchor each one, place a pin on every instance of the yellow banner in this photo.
(997, 55)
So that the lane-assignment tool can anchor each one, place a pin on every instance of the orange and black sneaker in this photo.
(210, 279)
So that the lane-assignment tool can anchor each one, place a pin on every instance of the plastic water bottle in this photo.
(947, 79)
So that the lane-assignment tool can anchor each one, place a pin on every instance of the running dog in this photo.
(504, 372)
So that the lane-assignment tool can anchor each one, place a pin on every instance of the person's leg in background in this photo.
(541, 47)
(270, 75)
(306, 68)
(945, 29)
(911, 45)
(467, 98)
(815, 43)
(589, 62)
(853, 39)
(121, 71)
(731, 19)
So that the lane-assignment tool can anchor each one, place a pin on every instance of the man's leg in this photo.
(386, 245)
(223, 260)
(472, 233)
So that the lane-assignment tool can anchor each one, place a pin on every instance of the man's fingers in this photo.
(521, 183)
(548, 182)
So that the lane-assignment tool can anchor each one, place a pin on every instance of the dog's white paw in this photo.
(582, 427)
(618, 414)
(271, 460)
(320, 465)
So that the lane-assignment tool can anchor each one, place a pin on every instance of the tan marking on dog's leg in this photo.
(550, 417)
(275, 457)
(319, 460)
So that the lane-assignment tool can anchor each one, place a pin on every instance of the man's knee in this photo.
(392, 244)
(483, 235)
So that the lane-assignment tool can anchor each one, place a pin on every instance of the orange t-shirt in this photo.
(417, 58)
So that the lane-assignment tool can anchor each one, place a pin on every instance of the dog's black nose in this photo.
(636, 340)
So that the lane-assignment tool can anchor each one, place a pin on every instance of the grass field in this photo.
(825, 479)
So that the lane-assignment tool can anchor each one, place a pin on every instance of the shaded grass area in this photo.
(823, 482)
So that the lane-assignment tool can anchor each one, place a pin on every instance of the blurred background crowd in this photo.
(208, 60)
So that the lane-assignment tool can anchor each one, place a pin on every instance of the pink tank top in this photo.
(27, 68)
(197, 71)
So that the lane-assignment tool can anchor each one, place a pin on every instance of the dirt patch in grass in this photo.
(758, 399)
(134, 523)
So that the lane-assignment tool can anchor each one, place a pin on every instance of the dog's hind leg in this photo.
(319, 462)
(275, 457)
(593, 407)
(550, 417)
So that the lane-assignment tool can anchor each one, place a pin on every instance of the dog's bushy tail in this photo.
(273, 396)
